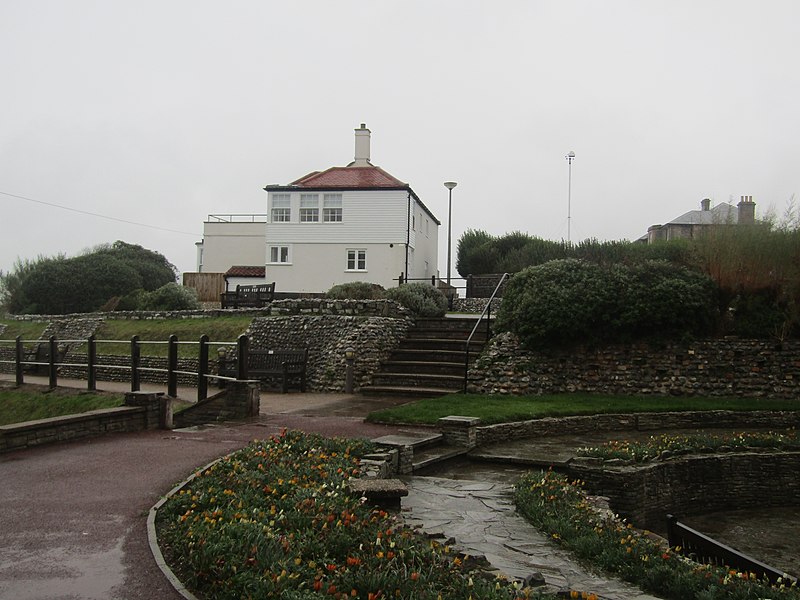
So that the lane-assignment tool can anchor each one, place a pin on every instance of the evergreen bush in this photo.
(357, 290)
(570, 301)
(422, 299)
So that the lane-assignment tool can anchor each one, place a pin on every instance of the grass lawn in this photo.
(500, 409)
(28, 330)
(219, 329)
(29, 404)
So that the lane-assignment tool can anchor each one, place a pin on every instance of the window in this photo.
(356, 260)
(278, 254)
(309, 208)
(332, 208)
(281, 208)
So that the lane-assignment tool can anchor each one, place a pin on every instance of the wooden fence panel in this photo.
(208, 285)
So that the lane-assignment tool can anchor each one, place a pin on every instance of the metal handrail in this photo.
(705, 549)
(487, 310)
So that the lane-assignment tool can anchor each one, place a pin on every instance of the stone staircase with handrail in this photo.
(430, 360)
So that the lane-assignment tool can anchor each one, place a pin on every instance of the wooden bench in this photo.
(287, 365)
(248, 296)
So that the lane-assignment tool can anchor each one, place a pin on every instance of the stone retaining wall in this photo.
(693, 485)
(716, 367)
(298, 306)
(549, 426)
(240, 400)
(141, 412)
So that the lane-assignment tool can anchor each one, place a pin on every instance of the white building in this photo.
(353, 223)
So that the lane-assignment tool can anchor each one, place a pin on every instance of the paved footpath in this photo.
(73, 516)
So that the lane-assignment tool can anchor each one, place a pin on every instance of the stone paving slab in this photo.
(481, 517)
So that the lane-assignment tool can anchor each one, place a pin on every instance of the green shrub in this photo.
(569, 301)
(171, 296)
(420, 298)
(132, 301)
(357, 290)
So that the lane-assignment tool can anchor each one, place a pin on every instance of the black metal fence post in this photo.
(202, 371)
(19, 356)
(135, 361)
(91, 360)
(242, 348)
(51, 367)
(172, 366)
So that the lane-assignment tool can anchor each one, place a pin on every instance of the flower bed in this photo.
(275, 520)
(666, 446)
(561, 509)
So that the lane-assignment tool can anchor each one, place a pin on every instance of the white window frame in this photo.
(281, 209)
(356, 259)
(309, 208)
(280, 255)
(332, 208)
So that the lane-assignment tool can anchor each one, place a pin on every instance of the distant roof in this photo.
(350, 178)
(246, 271)
(720, 214)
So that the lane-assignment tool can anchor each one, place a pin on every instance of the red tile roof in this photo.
(350, 178)
(245, 271)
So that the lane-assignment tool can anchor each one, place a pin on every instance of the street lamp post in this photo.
(570, 157)
(449, 185)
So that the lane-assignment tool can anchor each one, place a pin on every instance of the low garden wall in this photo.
(142, 411)
(240, 400)
(714, 367)
(663, 421)
(692, 485)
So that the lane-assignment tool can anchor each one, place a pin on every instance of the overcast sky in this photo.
(162, 112)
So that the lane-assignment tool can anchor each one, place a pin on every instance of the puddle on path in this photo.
(61, 573)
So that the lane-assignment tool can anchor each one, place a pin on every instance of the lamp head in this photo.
(450, 184)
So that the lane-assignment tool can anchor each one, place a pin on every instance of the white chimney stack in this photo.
(362, 147)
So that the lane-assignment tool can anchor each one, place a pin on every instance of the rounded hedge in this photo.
(422, 299)
(357, 290)
(571, 301)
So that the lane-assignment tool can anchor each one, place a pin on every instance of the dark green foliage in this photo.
(153, 268)
(574, 301)
(171, 296)
(476, 253)
(357, 290)
(420, 298)
(480, 253)
(84, 283)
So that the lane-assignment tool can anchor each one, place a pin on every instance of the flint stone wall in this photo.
(693, 485)
(327, 337)
(714, 367)
(381, 308)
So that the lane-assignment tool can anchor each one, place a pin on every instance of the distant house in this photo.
(693, 223)
(343, 224)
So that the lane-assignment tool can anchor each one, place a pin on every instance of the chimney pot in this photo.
(705, 204)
